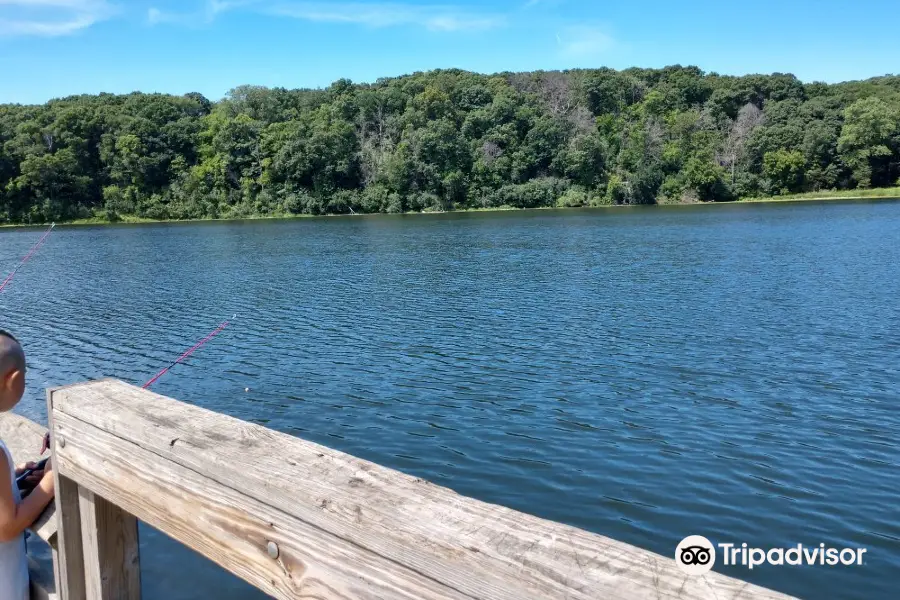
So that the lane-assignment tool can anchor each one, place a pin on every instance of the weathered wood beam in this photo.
(69, 558)
(69, 563)
(231, 529)
(111, 553)
(297, 519)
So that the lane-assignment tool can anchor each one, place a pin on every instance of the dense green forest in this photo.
(447, 139)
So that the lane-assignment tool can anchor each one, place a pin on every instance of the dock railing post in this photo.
(68, 558)
(98, 557)
(111, 556)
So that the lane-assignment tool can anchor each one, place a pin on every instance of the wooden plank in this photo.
(56, 565)
(24, 438)
(70, 558)
(69, 566)
(111, 553)
(481, 550)
(46, 527)
(231, 529)
(41, 581)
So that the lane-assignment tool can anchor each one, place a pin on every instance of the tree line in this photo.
(447, 139)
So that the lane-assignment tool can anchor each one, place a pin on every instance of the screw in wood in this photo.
(273, 549)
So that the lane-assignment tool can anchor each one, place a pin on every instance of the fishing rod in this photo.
(31, 252)
(190, 351)
(40, 466)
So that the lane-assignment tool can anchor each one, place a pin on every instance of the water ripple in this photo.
(642, 374)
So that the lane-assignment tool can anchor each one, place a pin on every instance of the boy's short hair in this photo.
(12, 356)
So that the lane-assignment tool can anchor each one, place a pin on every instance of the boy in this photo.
(16, 514)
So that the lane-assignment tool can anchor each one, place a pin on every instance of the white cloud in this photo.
(434, 18)
(50, 18)
(584, 42)
(214, 7)
(154, 16)
(203, 13)
(73, 4)
(370, 14)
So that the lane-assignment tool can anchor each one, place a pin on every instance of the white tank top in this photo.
(13, 561)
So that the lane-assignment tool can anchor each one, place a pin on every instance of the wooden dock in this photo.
(299, 520)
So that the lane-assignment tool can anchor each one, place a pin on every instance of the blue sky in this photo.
(52, 48)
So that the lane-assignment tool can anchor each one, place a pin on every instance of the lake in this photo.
(646, 374)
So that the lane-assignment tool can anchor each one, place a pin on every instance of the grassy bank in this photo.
(877, 193)
(98, 220)
(893, 192)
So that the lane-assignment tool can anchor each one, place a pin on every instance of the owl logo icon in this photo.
(695, 555)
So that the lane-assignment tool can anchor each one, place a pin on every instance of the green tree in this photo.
(784, 170)
(54, 185)
(868, 140)
(447, 139)
(705, 179)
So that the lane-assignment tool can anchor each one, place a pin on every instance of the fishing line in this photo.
(27, 257)
(156, 378)
(193, 349)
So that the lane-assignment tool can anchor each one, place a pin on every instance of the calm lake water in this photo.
(647, 374)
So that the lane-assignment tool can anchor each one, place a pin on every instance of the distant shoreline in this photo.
(872, 194)
(849, 195)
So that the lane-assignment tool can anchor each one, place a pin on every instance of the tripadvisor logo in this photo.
(696, 555)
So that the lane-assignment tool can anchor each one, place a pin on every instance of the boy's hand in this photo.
(47, 481)
(35, 476)
(30, 465)
(34, 479)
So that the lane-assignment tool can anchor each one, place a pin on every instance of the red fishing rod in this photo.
(190, 351)
(31, 252)
(194, 348)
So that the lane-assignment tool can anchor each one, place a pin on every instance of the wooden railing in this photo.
(299, 520)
